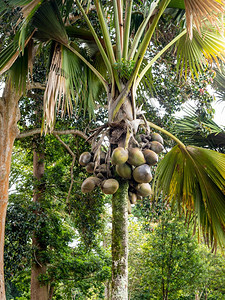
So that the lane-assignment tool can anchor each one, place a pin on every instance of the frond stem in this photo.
(145, 70)
(117, 27)
(167, 133)
(144, 44)
(126, 36)
(140, 31)
(100, 47)
(107, 40)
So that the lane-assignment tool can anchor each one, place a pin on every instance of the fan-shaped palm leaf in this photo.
(49, 23)
(197, 11)
(194, 178)
(200, 131)
(194, 54)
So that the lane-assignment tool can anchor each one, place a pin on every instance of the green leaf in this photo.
(200, 131)
(177, 4)
(193, 55)
(49, 23)
(194, 179)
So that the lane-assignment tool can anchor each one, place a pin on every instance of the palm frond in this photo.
(18, 72)
(10, 54)
(193, 55)
(197, 11)
(3, 7)
(55, 91)
(70, 84)
(194, 179)
(200, 131)
(49, 23)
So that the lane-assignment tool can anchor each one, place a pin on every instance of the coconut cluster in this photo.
(133, 164)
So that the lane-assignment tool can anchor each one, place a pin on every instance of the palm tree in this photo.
(94, 56)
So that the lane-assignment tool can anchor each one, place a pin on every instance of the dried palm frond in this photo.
(197, 11)
(56, 91)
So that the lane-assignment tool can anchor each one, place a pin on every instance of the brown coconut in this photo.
(110, 186)
(85, 158)
(90, 167)
(142, 174)
(89, 184)
(144, 189)
(156, 147)
(133, 198)
(157, 137)
(151, 157)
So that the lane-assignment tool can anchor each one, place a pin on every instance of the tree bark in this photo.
(120, 243)
(9, 115)
(38, 291)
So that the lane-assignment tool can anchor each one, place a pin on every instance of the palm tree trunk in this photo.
(38, 291)
(120, 243)
(9, 115)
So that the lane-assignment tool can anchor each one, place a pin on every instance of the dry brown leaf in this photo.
(198, 10)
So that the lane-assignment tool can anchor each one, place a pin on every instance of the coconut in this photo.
(119, 156)
(124, 171)
(151, 157)
(85, 158)
(133, 198)
(90, 167)
(89, 184)
(136, 157)
(156, 147)
(101, 176)
(101, 168)
(110, 186)
(157, 137)
(142, 174)
(128, 207)
(144, 190)
(139, 197)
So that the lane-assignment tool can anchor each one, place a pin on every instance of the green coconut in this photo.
(110, 186)
(151, 157)
(85, 158)
(90, 167)
(144, 190)
(119, 156)
(136, 157)
(142, 174)
(157, 137)
(89, 184)
(156, 147)
(124, 171)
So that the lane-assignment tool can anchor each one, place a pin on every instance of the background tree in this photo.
(47, 22)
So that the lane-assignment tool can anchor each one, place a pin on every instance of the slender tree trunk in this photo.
(38, 291)
(51, 292)
(9, 115)
(120, 243)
